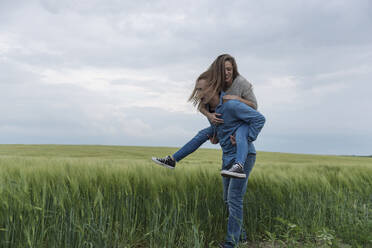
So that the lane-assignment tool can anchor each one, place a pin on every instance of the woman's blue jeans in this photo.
(194, 143)
(241, 136)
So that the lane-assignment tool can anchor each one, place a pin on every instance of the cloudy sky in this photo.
(120, 72)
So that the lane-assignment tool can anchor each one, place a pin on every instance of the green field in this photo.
(115, 196)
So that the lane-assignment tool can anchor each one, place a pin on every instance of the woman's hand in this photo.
(213, 118)
(230, 97)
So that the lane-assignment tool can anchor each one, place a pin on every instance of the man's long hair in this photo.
(195, 95)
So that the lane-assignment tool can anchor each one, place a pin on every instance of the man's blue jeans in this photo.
(233, 194)
(202, 136)
(233, 189)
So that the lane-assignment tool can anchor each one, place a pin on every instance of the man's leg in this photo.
(235, 189)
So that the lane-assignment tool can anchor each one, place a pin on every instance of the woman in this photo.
(223, 75)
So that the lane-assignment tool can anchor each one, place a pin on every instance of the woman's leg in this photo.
(241, 138)
(193, 144)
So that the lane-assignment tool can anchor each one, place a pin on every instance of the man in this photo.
(235, 114)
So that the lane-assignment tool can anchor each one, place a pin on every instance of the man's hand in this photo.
(232, 140)
(213, 139)
(213, 118)
(230, 97)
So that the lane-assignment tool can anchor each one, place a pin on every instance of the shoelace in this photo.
(238, 166)
(164, 159)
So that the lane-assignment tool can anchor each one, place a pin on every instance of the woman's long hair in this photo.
(217, 69)
(215, 78)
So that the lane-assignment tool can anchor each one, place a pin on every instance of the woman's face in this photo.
(228, 72)
(203, 92)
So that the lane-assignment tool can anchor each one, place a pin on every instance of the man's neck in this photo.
(215, 100)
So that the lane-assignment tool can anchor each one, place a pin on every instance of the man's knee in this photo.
(235, 203)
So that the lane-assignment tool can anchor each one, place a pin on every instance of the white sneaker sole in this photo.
(160, 163)
(226, 173)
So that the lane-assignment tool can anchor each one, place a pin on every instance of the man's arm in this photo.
(253, 118)
(212, 117)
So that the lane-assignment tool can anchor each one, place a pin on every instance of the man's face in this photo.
(204, 92)
(228, 72)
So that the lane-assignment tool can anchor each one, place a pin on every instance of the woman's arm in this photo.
(245, 101)
(243, 92)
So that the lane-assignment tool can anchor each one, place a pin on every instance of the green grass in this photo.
(113, 196)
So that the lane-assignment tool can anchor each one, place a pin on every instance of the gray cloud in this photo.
(91, 71)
